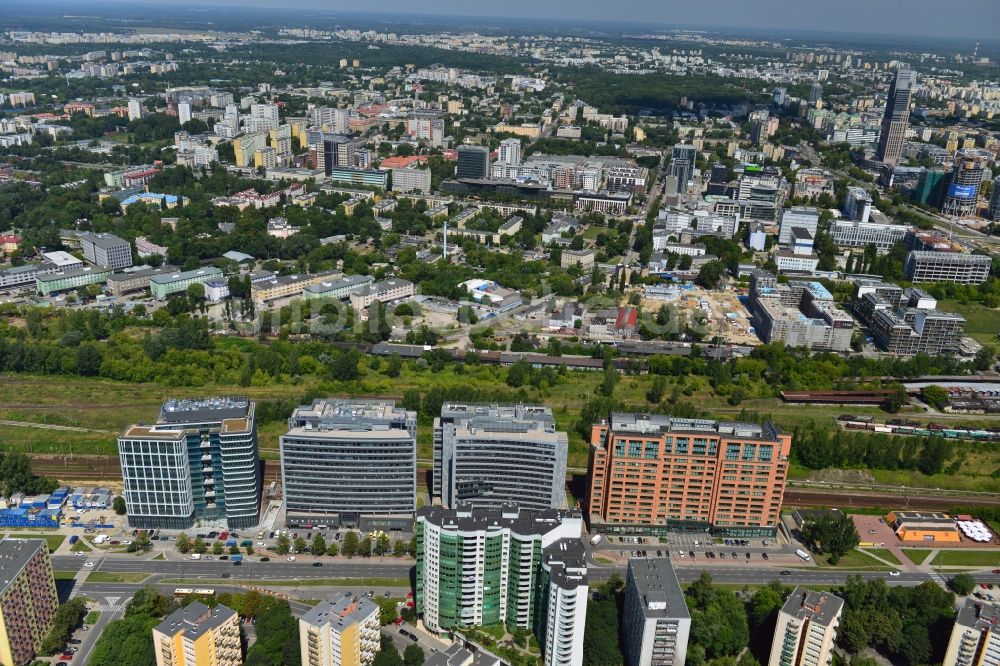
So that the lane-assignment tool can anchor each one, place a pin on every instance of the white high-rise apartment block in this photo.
(184, 112)
(806, 629)
(262, 117)
(510, 152)
(135, 109)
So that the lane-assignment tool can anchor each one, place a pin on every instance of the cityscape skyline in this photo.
(853, 16)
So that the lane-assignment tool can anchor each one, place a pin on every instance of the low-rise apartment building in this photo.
(386, 291)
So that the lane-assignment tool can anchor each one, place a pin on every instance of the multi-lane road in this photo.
(751, 574)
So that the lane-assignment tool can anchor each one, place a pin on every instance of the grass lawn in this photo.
(108, 577)
(916, 555)
(160, 556)
(92, 617)
(981, 323)
(309, 582)
(854, 559)
(64, 575)
(884, 554)
(54, 540)
(81, 547)
(968, 558)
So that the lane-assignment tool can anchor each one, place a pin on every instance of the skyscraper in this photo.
(806, 629)
(527, 569)
(962, 197)
(682, 162)
(510, 152)
(350, 463)
(473, 162)
(198, 462)
(488, 455)
(897, 116)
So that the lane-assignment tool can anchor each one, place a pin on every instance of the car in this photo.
(89, 565)
(764, 555)
(135, 533)
(413, 637)
(260, 544)
(734, 554)
(223, 557)
(398, 621)
(317, 564)
(404, 632)
(371, 593)
(786, 572)
(70, 650)
(114, 542)
(659, 553)
(237, 563)
(872, 531)
(387, 594)
(226, 575)
(271, 535)
(691, 553)
(893, 573)
(265, 559)
(996, 571)
(748, 555)
(73, 641)
(291, 558)
(66, 657)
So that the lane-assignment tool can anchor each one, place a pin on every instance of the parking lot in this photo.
(701, 548)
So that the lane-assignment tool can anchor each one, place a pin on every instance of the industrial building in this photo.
(651, 474)
(527, 569)
(28, 599)
(198, 462)
(806, 629)
(489, 455)
(656, 622)
(350, 463)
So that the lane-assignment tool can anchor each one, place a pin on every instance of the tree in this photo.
(394, 366)
(67, 618)
(351, 544)
(199, 546)
(333, 549)
(387, 611)
(381, 544)
(88, 359)
(183, 543)
(217, 548)
(318, 545)
(119, 505)
(299, 545)
(896, 400)
(962, 584)
(934, 396)
(832, 534)
(600, 636)
(365, 547)
(764, 603)
(413, 655)
(281, 546)
(399, 548)
(710, 274)
(387, 655)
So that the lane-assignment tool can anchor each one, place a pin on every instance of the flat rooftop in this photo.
(979, 615)
(659, 423)
(204, 409)
(195, 620)
(820, 607)
(656, 583)
(340, 611)
(14, 556)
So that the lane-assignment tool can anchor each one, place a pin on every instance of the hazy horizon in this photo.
(970, 19)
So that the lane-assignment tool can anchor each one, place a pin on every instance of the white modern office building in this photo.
(350, 463)
(800, 217)
(106, 250)
(490, 455)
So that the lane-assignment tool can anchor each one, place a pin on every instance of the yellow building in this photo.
(245, 146)
(340, 632)
(197, 635)
(28, 599)
(527, 130)
(923, 526)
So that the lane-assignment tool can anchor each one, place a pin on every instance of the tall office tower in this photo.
(758, 127)
(655, 618)
(993, 211)
(962, 197)
(28, 599)
(779, 96)
(473, 162)
(857, 204)
(800, 217)
(339, 151)
(510, 152)
(897, 115)
(806, 629)
(975, 636)
(651, 473)
(184, 112)
(198, 462)
(350, 463)
(815, 93)
(197, 635)
(342, 631)
(488, 455)
(682, 163)
(480, 567)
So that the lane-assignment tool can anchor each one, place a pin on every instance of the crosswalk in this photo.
(113, 606)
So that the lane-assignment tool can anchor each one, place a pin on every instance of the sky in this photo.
(942, 18)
